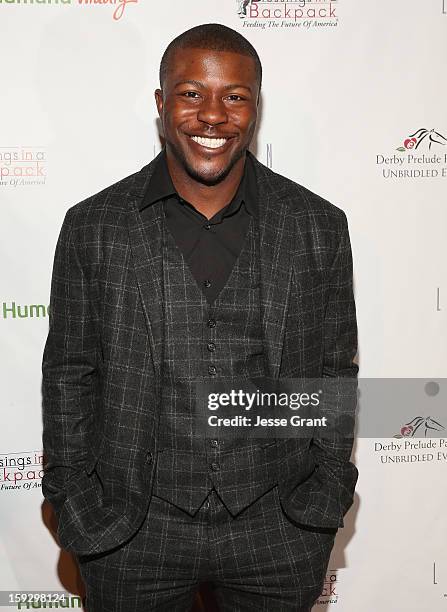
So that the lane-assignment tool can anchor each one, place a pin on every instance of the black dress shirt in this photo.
(210, 247)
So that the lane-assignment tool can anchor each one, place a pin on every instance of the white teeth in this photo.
(211, 143)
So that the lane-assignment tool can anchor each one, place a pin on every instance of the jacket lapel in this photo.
(146, 246)
(276, 248)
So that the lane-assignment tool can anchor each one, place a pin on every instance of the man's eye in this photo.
(235, 97)
(191, 94)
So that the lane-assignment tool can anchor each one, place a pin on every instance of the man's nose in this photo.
(212, 111)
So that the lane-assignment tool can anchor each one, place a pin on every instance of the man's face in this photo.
(208, 109)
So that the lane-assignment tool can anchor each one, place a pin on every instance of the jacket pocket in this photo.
(91, 464)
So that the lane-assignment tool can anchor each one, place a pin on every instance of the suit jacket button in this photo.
(149, 457)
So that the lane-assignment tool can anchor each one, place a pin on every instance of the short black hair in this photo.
(214, 37)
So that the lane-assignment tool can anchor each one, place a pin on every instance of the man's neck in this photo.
(207, 199)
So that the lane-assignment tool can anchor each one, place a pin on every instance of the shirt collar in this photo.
(161, 186)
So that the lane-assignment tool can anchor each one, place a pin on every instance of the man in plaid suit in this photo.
(204, 264)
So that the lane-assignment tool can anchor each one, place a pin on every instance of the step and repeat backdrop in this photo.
(354, 108)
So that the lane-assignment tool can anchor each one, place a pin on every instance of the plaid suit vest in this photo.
(204, 341)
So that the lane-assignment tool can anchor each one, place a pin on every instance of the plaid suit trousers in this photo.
(259, 560)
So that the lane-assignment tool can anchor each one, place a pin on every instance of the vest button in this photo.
(215, 467)
(148, 457)
(207, 226)
(214, 442)
(211, 346)
(207, 283)
(211, 322)
(212, 370)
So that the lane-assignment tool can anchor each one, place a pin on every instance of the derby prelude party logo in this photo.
(421, 154)
(425, 424)
(302, 14)
(422, 135)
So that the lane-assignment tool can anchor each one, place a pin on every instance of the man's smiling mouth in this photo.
(211, 143)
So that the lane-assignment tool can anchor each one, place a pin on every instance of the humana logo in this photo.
(117, 13)
(11, 310)
(35, 1)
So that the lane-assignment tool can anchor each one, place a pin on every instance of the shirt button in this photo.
(211, 322)
(215, 467)
(207, 226)
(212, 370)
(214, 442)
(207, 283)
(211, 346)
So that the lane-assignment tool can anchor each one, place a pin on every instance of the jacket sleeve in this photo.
(337, 476)
(69, 369)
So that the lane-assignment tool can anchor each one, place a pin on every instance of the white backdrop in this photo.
(341, 95)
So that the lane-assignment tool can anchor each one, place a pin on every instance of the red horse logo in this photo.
(409, 429)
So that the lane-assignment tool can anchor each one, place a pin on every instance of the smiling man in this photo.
(204, 264)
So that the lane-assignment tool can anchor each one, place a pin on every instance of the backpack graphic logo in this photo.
(242, 7)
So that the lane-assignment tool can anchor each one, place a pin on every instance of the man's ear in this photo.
(159, 101)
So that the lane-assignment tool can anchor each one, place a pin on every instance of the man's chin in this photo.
(212, 175)
(206, 173)
(208, 176)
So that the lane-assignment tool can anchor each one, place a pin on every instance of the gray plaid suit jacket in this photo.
(101, 362)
